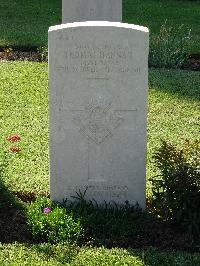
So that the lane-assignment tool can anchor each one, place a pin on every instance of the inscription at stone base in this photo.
(113, 192)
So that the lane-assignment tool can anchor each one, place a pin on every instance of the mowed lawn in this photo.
(154, 13)
(174, 109)
(25, 23)
(58, 255)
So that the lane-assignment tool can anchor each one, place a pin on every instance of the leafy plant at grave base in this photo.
(51, 222)
(108, 223)
(176, 194)
(43, 52)
(169, 48)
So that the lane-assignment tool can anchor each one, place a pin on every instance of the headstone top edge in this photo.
(98, 24)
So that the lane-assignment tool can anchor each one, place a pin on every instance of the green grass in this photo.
(24, 88)
(24, 23)
(56, 255)
(174, 110)
(153, 14)
(173, 115)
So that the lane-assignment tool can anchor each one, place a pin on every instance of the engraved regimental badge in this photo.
(98, 120)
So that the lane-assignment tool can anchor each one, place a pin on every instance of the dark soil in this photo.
(10, 55)
(193, 62)
(159, 235)
(13, 227)
(26, 197)
(20, 56)
(13, 221)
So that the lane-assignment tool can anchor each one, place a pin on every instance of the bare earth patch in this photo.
(13, 226)
(10, 55)
(20, 56)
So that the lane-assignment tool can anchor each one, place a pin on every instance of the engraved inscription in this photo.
(102, 58)
(113, 192)
(98, 121)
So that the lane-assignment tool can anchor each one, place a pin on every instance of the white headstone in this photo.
(98, 78)
(93, 10)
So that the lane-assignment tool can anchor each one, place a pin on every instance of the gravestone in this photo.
(98, 77)
(93, 10)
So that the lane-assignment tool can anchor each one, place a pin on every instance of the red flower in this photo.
(15, 149)
(14, 138)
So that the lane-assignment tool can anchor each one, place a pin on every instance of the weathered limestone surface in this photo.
(93, 10)
(98, 78)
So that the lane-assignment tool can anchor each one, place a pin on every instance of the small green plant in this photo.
(170, 47)
(51, 222)
(43, 52)
(176, 194)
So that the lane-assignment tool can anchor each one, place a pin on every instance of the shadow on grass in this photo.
(111, 226)
(155, 257)
(127, 227)
(180, 83)
(13, 225)
(26, 24)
